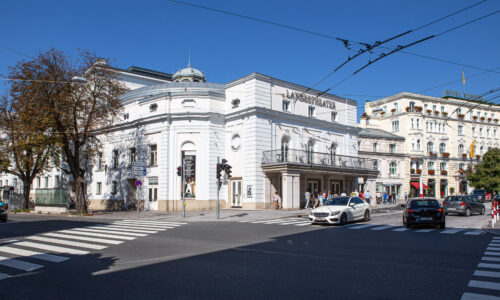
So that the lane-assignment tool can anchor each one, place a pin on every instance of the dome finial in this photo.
(189, 57)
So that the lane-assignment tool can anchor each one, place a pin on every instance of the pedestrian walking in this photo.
(406, 197)
(361, 195)
(316, 198)
(325, 195)
(276, 200)
(343, 194)
(385, 197)
(308, 198)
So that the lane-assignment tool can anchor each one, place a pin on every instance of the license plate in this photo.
(320, 219)
(426, 219)
(452, 208)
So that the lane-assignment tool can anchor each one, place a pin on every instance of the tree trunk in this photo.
(81, 203)
(26, 195)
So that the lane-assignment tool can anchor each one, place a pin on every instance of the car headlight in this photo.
(334, 213)
(311, 214)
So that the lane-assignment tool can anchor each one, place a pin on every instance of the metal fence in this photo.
(317, 158)
(51, 197)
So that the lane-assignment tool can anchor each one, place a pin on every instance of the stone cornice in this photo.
(458, 102)
(270, 114)
(289, 85)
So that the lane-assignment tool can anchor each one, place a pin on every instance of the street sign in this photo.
(138, 183)
(138, 164)
(139, 171)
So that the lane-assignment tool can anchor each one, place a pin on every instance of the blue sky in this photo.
(158, 34)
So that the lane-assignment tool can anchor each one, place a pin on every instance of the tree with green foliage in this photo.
(78, 97)
(487, 173)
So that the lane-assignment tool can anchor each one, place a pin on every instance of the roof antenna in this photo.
(189, 58)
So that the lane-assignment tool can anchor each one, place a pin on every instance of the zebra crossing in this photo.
(364, 226)
(486, 281)
(51, 247)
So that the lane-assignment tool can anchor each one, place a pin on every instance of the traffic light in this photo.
(228, 171)
(219, 170)
(179, 171)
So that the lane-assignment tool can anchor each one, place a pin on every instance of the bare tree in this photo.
(79, 97)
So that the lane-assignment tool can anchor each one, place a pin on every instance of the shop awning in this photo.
(417, 185)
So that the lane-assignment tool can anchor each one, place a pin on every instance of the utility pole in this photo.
(218, 188)
(183, 187)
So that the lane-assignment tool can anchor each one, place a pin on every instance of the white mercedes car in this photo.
(340, 211)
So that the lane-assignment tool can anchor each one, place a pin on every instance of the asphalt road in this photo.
(228, 260)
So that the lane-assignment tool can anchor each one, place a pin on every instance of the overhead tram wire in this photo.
(15, 51)
(368, 46)
(453, 81)
(399, 48)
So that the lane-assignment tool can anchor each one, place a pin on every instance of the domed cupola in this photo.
(189, 75)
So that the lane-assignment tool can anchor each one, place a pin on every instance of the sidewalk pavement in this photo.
(230, 214)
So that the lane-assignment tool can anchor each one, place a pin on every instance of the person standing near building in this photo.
(276, 200)
(406, 197)
(308, 198)
(343, 194)
(316, 198)
(385, 197)
(368, 197)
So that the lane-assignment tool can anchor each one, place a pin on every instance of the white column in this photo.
(290, 190)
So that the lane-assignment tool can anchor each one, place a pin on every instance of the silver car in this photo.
(463, 205)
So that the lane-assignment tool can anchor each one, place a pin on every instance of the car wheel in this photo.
(442, 225)
(367, 216)
(343, 219)
(482, 211)
(467, 212)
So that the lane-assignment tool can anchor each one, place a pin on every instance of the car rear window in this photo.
(449, 199)
(424, 203)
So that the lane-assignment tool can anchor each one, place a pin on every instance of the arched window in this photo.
(430, 147)
(481, 150)
(418, 145)
(285, 146)
(442, 147)
(393, 168)
(461, 149)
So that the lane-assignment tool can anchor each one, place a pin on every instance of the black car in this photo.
(479, 195)
(423, 211)
(463, 205)
(3, 213)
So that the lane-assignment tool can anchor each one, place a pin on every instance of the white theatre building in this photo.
(275, 137)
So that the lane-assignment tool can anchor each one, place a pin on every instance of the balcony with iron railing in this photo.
(317, 159)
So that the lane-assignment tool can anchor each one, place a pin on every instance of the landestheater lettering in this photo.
(314, 100)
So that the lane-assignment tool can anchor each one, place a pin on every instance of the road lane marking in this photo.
(493, 248)
(109, 231)
(83, 238)
(18, 264)
(492, 244)
(303, 223)
(490, 258)
(154, 222)
(362, 226)
(425, 230)
(37, 255)
(487, 274)
(485, 285)
(67, 243)
(401, 229)
(141, 226)
(4, 276)
(292, 222)
(475, 232)
(452, 230)
(128, 238)
(473, 296)
(490, 266)
(125, 228)
(51, 248)
(382, 227)
(492, 253)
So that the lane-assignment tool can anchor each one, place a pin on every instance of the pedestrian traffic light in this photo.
(219, 170)
(179, 171)
(228, 171)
